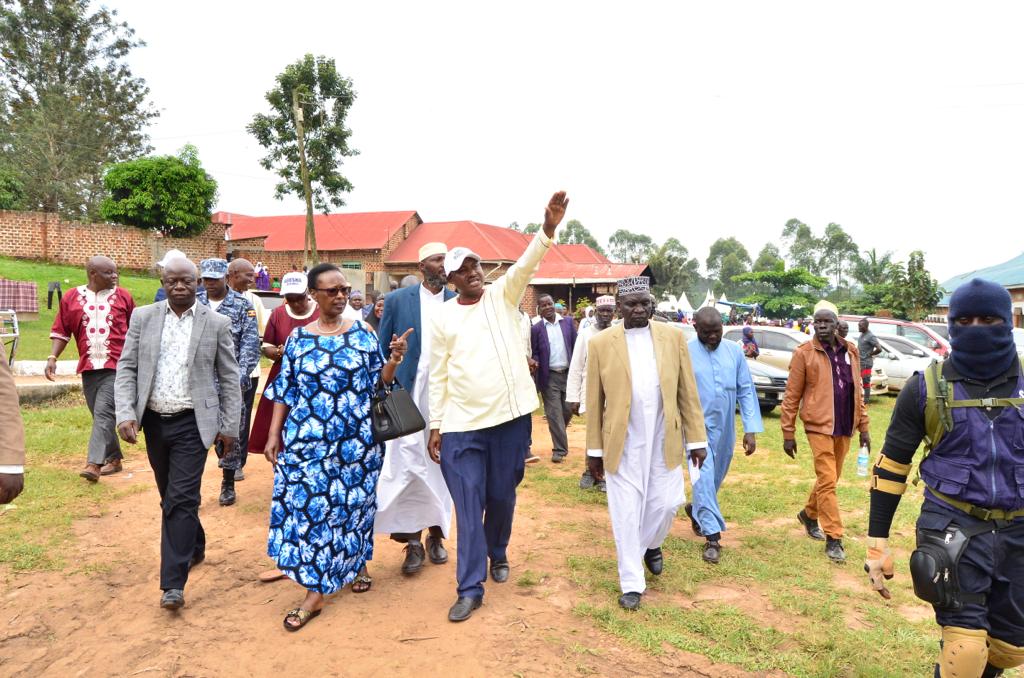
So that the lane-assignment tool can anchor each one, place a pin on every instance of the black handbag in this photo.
(393, 413)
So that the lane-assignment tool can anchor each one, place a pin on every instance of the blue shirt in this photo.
(723, 379)
(244, 330)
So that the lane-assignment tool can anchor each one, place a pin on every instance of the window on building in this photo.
(352, 265)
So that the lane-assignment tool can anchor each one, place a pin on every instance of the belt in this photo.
(560, 370)
(977, 511)
(172, 415)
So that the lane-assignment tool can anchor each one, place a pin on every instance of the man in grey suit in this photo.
(176, 354)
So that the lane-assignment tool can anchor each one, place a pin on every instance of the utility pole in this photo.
(309, 248)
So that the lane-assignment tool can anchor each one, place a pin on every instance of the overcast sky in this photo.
(900, 121)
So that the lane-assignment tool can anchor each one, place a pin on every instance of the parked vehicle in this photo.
(941, 329)
(900, 359)
(1018, 339)
(770, 384)
(915, 332)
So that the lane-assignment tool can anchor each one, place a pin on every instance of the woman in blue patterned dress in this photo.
(325, 477)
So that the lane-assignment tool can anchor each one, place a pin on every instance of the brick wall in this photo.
(36, 235)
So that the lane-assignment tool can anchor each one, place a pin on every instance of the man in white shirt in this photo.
(643, 409)
(241, 278)
(552, 341)
(411, 493)
(481, 399)
(576, 385)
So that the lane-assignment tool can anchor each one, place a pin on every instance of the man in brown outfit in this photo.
(12, 447)
(823, 386)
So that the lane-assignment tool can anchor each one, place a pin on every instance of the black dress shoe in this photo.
(586, 480)
(499, 572)
(712, 552)
(227, 492)
(834, 550)
(173, 599)
(694, 525)
(654, 560)
(463, 608)
(436, 551)
(630, 601)
(810, 526)
(414, 556)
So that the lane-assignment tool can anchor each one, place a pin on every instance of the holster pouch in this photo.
(934, 565)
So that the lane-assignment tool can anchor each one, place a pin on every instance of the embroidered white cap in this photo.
(453, 260)
(294, 283)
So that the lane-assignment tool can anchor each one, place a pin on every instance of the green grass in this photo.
(35, 334)
(774, 602)
(33, 532)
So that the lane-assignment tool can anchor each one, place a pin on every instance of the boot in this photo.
(227, 492)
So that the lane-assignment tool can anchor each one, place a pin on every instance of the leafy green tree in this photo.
(838, 252)
(872, 268)
(575, 233)
(674, 269)
(326, 97)
(767, 258)
(170, 194)
(731, 266)
(629, 247)
(531, 228)
(720, 250)
(804, 249)
(12, 191)
(72, 103)
(788, 293)
(912, 291)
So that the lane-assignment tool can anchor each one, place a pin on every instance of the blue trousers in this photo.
(482, 469)
(712, 474)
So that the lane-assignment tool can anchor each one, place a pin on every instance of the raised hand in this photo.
(399, 345)
(554, 212)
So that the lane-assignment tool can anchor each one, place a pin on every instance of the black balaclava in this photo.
(981, 352)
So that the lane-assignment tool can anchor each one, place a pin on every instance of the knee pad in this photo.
(1002, 655)
(964, 652)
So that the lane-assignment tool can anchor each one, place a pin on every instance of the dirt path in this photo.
(101, 616)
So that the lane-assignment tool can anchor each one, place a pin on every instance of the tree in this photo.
(12, 191)
(170, 194)
(629, 247)
(575, 233)
(804, 248)
(838, 252)
(674, 269)
(325, 97)
(720, 250)
(871, 268)
(72, 104)
(913, 292)
(767, 258)
(789, 293)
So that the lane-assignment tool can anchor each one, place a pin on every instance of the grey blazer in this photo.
(212, 359)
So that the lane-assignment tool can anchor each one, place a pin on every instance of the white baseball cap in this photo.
(294, 283)
(453, 260)
(170, 256)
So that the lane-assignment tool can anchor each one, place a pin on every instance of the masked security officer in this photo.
(969, 561)
(246, 335)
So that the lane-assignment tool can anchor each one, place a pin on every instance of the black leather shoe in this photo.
(499, 572)
(196, 559)
(586, 481)
(436, 551)
(654, 561)
(463, 608)
(834, 550)
(227, 492)
(694, 525)
(558, 458)
(712, 552)
(173, 599)
(630, 601)
(810, 526)
(414, 556)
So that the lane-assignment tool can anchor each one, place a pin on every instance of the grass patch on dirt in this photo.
(774, 602)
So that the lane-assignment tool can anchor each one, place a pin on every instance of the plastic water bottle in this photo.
(862, 461)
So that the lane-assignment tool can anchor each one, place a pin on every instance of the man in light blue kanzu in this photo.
(723, 378)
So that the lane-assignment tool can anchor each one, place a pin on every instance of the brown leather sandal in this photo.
(303, 617)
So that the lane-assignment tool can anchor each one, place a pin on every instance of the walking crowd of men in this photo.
(185, 370)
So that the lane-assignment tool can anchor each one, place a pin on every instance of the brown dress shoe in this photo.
(111, 467)
(91, 472)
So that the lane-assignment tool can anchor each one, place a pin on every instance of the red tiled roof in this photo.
(552, 271)
(353, 231)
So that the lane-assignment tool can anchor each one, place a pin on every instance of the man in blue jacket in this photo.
(553, 339)
(411, 492)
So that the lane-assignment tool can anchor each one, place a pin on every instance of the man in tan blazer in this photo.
(12, 449)
(643, 408)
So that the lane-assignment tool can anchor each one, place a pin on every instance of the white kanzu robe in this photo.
(643, 495)
(411, 492)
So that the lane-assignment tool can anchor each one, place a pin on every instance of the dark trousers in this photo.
(51, 289)
(557, 412)
(992, 564)
(98, 388)
(177, 456)
(482, 469)
(240, 451)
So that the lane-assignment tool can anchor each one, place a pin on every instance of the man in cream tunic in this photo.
(642, 406)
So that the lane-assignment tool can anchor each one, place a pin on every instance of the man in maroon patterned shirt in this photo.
(96, 316)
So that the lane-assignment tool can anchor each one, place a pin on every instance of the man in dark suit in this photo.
(411, 492)
(177, 379)
(552, 340)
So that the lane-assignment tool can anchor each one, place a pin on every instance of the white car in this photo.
(900, 359)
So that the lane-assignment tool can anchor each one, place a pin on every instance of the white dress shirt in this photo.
(170, 392)
(559, 359)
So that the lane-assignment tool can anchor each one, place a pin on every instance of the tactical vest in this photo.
(971, 458)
